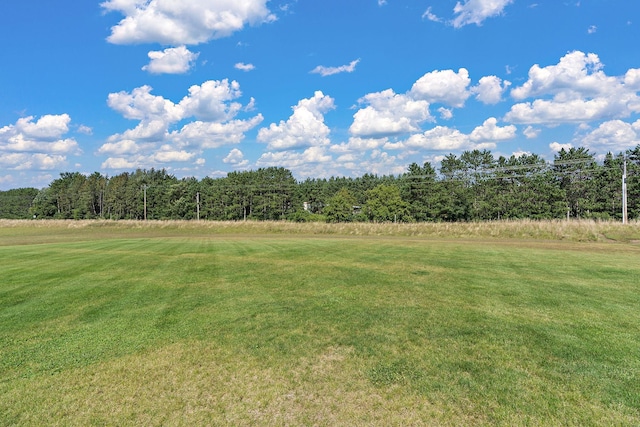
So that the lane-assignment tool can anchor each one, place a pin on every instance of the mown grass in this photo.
(175, 324)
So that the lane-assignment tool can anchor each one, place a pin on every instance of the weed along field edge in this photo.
(202, 323)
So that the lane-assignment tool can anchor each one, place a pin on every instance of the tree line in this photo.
(470, 187)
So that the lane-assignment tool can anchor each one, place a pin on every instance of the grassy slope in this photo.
(185, 325)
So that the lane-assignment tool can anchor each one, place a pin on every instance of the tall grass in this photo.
(574, 230)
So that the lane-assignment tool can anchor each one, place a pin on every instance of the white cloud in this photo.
(356, 144)
(446, 87)
(177, 60)
(476, 11)
(614, 136)
(244, 67)
(236, 158)
(125, 146)
(431, 16)
(168, 155)
(551, 112)
(380, 163)
(491, 132)
(632, 79)
(153, 140)
(119, 163)
(185, 22)
(141, 105)
(574, 90)
(31, 144)
(214, 134)
(530, 132)
(388, 113)
(294, 160)
(47, 128)
(32, 161)
(211, 101)
(304, 128)
(490, 89)
(576, 72)
(444, 138)
(445, 113)
(439, 138)
(592, 29)
(520, 153)
(329, 71)
(556, 146)
(85, 130)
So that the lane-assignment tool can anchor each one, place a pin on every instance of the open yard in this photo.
(105, 323)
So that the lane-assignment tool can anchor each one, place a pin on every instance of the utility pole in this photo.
(144, 187)
(198, 205)
(624, 192)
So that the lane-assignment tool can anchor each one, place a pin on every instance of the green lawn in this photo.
(180, 327)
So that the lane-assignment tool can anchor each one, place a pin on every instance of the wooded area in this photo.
(469, 187)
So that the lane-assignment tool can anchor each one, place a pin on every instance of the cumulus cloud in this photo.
(490, 89)
(577, 72)
(445, 113)
(443, 138)
(530, 132)
(613, 135)
(491, 132)
(119, 163)
(186, 22)
(356, 144)
(125, 146)
(329, 71)
(236, 159)
(439, 138)
(211, 101)
(304, 128)
(46, 128)
(244, 67)
(428, 14)
(157, 140)
(207, 135)
(167, 154)
(477, 11)
(313, 161)
(574, 90)
(445, 86)
(556, 146)
(388, 113)
(176, 60)
(32, 144)
(85, 130)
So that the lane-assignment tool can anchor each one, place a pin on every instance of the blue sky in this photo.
(323, 88)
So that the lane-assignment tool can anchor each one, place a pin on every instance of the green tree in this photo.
(384, 203)
(340, 207)
(16, 203)
(418, 189)
(452, 196)
(575, 170)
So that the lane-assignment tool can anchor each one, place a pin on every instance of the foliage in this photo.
(341, 207)
(384, 204)
(474, 186)
(15, 204)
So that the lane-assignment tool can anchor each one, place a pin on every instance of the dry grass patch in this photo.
(575, 230)
(202, 384)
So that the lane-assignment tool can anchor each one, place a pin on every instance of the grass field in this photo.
(514, 324)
